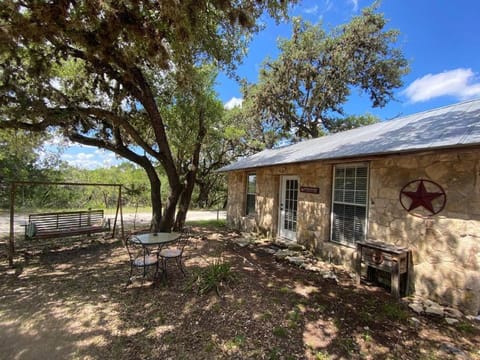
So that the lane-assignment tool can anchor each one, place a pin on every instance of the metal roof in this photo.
(445, 127)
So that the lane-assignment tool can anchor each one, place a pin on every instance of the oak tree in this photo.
(303, 91)
(96, 70)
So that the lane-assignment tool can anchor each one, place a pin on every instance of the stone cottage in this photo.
(412, 182)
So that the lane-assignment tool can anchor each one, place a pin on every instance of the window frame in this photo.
(248, 211)
(365, 205)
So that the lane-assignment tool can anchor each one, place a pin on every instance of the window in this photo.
(349, 205)
(251, 189)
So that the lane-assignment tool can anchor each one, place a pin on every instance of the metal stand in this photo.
(386, 257)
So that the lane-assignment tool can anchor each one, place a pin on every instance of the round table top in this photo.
(156, 238)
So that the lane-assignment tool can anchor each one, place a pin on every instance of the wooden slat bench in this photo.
(58, 224)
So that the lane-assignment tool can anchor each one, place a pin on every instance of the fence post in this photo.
(11, 244)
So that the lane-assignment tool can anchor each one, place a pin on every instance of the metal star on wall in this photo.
(421, 197)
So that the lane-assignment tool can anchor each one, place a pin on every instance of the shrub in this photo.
(212, 277)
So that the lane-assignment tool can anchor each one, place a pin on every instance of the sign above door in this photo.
(309, 190)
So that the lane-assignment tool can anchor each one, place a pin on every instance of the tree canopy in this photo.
(302, 92)
(99, 71)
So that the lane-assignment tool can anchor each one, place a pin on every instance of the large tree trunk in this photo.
(203, 194)
(167, 222)
(155, 198)
(185, 200)
(191, 174)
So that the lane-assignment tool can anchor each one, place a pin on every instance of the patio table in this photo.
(156, 239)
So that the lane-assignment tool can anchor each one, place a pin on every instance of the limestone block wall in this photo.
(445, 247)
(236, 203)
(313, 209)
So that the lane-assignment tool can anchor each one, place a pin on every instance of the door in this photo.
(288, 207)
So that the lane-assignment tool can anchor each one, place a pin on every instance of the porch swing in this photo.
(57, 224)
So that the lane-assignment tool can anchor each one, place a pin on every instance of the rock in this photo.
(242, 242)
(290, 245)
(330, 275)
(268, 250)
(297, 260)
(434, 310)
(296, 247)
(310, 267)
(416, 307)
(451, 321)
(430, 303)
(415, 321)
(452, 350)
(283, 253)
(453, 313)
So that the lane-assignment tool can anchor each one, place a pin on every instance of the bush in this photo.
(213, 277)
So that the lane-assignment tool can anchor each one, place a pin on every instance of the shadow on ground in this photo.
(70, 300)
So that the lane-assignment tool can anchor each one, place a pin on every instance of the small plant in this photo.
(274, 354)
(294, 317)
(235, 343)
(465, 327)
(210, 346)
(367, 337)
(321, 355)
(285, 290)
(393, 312)
(280, 331)
(347, 344)
(266, 315)
(213, 277)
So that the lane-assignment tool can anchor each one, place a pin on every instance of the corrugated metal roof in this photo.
(449, 126)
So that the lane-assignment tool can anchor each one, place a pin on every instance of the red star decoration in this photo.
(421, 197)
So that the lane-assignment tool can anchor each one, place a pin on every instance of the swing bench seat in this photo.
(60, 224)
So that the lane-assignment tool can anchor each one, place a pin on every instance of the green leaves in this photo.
(303, 91)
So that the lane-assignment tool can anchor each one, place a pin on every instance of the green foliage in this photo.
(394, 312)
(218, 224)
(20, 159)
(119, 76)
(236, 342)
(280, 332)
(466, 327)
(302, 92)
(213, 277)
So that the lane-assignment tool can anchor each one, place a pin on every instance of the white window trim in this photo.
(349, 165)
(248, 193)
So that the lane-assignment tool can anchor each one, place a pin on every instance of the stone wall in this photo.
(445, 247)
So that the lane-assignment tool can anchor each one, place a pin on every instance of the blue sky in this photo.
(441, 40)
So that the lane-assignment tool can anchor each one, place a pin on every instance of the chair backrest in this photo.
(183, 242)
(134, 248)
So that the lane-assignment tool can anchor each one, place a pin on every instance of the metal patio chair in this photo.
(175, 252)
(140, 258)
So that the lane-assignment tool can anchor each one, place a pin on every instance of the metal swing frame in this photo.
(15, 184)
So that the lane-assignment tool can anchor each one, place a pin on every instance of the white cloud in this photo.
(91, 160)
(311, 10)
(233, 102)
(355, 4)
(460, 83)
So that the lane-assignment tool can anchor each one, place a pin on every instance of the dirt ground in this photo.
(69, 300)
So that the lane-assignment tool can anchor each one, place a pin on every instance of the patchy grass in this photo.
(215, 224)
(394, 312)
(69, 300)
